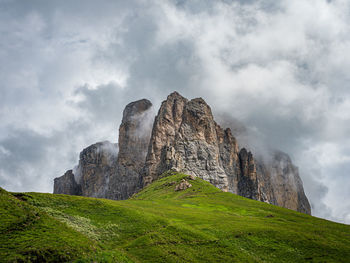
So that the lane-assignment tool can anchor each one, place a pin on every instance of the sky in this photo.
(281, 69)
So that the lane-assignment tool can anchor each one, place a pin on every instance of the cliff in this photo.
(186, 138)
(108, 170)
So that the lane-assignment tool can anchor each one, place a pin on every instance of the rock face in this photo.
(184, 138)
(134, 134)
(248, 183)
(66, 184)
(284, 185)
(96, 166)
(183, 185)
(102, 171)
(97, 163)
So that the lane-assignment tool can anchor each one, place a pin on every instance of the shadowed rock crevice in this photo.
(182, 137)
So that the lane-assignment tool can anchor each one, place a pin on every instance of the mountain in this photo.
(184, 138)
(175, 218)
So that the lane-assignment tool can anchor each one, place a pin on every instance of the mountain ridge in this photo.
(185, 137)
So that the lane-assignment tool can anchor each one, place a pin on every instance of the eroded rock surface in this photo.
(184, 138)
(102, 170)
(134, 135)
(97, 164)
(66, 184)
(285, 186)
(183, 185)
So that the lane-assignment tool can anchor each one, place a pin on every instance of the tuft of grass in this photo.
(159, 224)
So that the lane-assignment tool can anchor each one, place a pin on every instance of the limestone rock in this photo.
(183, 185)
(184, 138)
(134, 136)
(286, 184)
(247, 181)
(165, 127)
(102, 171)
(66, 184)
(192, 177)
(97, 165)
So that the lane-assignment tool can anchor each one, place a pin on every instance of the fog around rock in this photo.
(280, 69)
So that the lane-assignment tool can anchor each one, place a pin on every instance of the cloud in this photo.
(277, 68)
(102, 103)
(29, 160)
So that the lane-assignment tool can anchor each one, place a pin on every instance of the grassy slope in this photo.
(200, 224)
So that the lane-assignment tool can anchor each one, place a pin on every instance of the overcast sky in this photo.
(281, 68)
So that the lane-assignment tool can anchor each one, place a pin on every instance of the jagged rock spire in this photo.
(186, 138)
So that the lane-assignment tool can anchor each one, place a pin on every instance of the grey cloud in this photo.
(29, 161)
(104, 103)
(23, 158)
(278, 70)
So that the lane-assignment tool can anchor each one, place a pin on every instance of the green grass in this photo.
(199, 224)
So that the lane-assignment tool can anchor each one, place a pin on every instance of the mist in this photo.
(278, 71)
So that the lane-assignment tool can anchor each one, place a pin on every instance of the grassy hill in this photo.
(159, 224)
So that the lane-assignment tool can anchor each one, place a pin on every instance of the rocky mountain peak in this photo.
(134, 109)
(134, 133)
(183, 137)
(175, 95)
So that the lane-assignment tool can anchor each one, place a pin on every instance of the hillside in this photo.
(159, 224)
